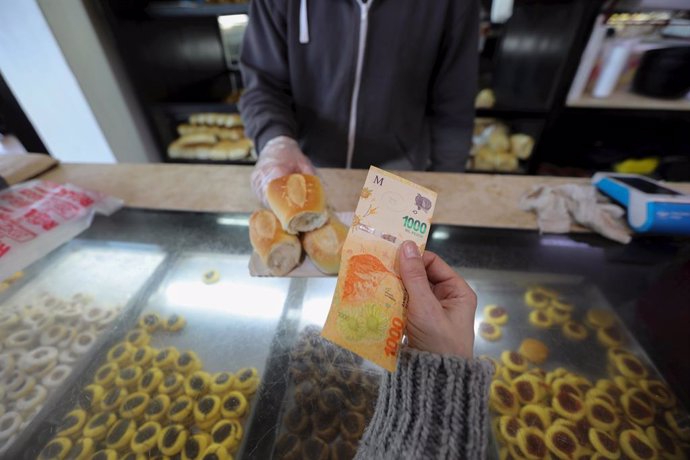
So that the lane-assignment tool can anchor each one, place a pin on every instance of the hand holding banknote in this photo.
(441, 306)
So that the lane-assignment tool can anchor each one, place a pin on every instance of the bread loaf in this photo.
(299, 202)
(325, 244)
(521, 145)
(278, 250)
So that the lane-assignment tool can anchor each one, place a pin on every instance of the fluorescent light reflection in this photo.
(239, 221)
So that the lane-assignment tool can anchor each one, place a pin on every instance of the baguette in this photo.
(299, 202)
(279, 251)
(325, 244)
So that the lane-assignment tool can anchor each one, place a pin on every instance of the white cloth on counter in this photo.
(558, 207)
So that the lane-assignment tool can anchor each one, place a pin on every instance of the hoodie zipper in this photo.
(363, 29)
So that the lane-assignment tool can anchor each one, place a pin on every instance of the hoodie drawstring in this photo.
(303, 22)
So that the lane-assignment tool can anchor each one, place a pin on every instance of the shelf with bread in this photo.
(212, 137)
(496, 149)
(626, 100)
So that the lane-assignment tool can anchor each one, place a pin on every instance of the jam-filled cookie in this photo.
(143, 356)
(495, 314)
(508, 427)
(566, 384)
(90, 397)
(216, 452)
(138, 337)
(532, 443)
(157, 408)
(528, 389)
(195, 446)
(629, 366)
(288, 447)
(610, 336)
(121, 354)
(568, 405)
(658, 392)
(637, 446)
(180, 409)
(604, 444)
(145, 438)
(331, 400)
(57, 449)
(326, 425)
(664, 440)
(105, 454)
(197, 384)
(172, 385)
(222, 382)
(188, 362)
(343, 450)
(679, 424)
(72, 423)
(600, 414)
(227, 433)
(120, 434)
(557, 317)
(247, 380)
(172, 439)
(503, 399)
(134, 405)
(113, 398)
(636, 409)
(150, 322)
(25, 384)
(82, 449)
(599, 317)
(534, 350)
(150, 380)
(574, 331)
(166, 358)
(297, 421)
(128, 377)
(562, 442)
(490, 332)
(540, 319)
(514, 361)
(562, 305)
(536, 416)
(537, 298)
(315, 448)
(233, 405)
(174, 323)
(99, 425)
(352, 425)
(211, 277)
(207, 408)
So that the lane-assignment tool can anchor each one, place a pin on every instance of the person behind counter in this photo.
(434, 406)
(353, 83)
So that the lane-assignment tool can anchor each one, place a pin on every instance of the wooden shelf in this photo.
(629, 101)
(187, 8)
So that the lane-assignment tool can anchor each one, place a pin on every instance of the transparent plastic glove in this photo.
(280, 156)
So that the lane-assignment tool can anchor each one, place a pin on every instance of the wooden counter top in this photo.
(479, 200)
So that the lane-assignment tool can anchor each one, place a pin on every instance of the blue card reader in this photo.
(652, 207)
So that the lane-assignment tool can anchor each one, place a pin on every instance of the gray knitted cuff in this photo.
(432, 407)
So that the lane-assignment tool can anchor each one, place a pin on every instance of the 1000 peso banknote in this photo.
(367, 315)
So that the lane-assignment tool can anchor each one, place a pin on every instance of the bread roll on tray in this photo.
(278, 250)
(299, 202)
(325, 244)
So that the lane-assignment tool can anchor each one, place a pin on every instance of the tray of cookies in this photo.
(53, 323)
(570, 380)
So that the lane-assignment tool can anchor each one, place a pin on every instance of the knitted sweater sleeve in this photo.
(432, 407)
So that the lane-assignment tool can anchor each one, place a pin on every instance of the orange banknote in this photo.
(367, 314)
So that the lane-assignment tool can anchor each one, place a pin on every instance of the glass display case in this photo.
(147, 335)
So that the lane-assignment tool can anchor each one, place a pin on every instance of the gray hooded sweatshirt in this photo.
(360, 82)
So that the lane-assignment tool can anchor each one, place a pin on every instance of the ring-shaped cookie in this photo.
(172, 384)
(106, 374)
(90, 397)
(72, 423)
(9, 424)
(57, 376)
(67, 357)
(537, 298)
(503, 399)
(120, 434)
(99, 425)
(121, 354)
(495, 314)
(490, 332)
(188, 362)
(32, 399)
(574, 330)
(150, 380)
(562, 442)
(56, 449)
(207, 408)
(157, 408)
(637, 446)
(105, 454)
(143, 356)
(195, 446)
(113, 398)
(222, 382)
(24, 388)
(172, 439)
(247, 380)
(6, 365)
(53, 335)
(233, 405)
(150, 322)
(20, 339)
(94, 314)
(166, 358)
(83, 342)
(532, 443)
(37, 358)
(180, 409)
(174, 323)
(128, 377)
(83, 449)
(146, 437)
(134, 405)
(540, 319)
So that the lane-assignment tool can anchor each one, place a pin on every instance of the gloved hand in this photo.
(280, 156)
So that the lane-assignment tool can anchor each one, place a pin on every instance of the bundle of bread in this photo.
(298, 206)
(496, 149)
(211, 136)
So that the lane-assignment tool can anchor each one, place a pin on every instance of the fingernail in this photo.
(410, 250)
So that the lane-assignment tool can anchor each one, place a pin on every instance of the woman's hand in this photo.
(441, 306)
(280, 156)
